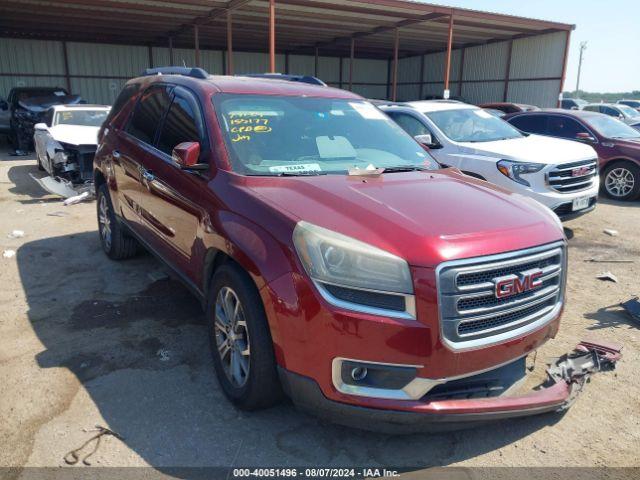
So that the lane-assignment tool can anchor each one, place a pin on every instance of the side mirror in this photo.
(424, 139)
(574, 108)
(41, 127)
(584, 136)
(4, 105)
(186, 154)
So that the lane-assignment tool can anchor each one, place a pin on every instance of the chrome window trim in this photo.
(409, 301)
(489, 261)
(414, 390)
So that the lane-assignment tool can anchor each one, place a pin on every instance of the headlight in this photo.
(336, 259)
(513, 170)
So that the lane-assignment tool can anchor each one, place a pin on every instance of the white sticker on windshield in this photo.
(482, 113)
(368, 111)
(59, 93)
(302, 167)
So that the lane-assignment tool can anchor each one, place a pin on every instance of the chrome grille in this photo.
(472, 315)
(566, 178)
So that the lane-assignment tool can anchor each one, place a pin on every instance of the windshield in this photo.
(629, 112)
(612, 128)
(579, 102)
(22, 95)
(274, 135)
(90, 118)
(472, 125)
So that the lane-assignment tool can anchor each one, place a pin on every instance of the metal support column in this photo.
(351, 58)
(507, 73)
(272, 36)
(447, 70)
(196, 40)
(229, 43)
(65, 56)
(396, 45)
(564, 67)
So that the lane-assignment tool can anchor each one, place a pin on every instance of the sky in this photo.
(611, 62)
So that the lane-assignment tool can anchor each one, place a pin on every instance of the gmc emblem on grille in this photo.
(580, 171)
(513, 284)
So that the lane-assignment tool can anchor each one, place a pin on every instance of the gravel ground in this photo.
(85, 341)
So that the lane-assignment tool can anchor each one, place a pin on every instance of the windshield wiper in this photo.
(404, 168)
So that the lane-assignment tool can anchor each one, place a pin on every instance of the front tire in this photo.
(622, 181)
(240, 340)
(115, 242)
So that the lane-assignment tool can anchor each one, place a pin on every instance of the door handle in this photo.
(148, 175)
(115, 154)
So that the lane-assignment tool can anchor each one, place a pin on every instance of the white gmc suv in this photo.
(560, 174)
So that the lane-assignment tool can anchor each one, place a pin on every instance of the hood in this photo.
(75, 134)
(533, 148)
(424, 217)
(40, 104)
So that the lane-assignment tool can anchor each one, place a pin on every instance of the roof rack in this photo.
(194, 72)
(291, 78)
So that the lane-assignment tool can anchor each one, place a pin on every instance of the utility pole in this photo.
(583, 47)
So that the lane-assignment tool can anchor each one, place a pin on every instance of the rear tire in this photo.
(621, 181)
(240, 340)
(114, 240)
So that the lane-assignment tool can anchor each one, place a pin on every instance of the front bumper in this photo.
(565, 212)
(567, 377)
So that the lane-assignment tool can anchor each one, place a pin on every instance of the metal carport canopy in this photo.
(301, 25)
(379, 29)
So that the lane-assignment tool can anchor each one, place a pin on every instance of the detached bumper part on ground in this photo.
(566, 379)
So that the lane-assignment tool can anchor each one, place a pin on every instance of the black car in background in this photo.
(617, 144)
(572, 103)
(24, 107)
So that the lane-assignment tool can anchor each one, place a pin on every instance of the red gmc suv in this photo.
(336, 262)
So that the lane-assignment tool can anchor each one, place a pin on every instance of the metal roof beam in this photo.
(377, 30)
(210, 16)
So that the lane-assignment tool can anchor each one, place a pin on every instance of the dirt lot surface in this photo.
(86, 341)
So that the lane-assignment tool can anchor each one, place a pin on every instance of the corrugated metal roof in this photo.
(301, 25)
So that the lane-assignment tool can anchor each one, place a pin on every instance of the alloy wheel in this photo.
(619, 182)
(104, 222)
(232, 337)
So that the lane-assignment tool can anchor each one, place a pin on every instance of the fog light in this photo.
(359, 373)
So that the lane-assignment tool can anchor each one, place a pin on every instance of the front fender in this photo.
(253, 247)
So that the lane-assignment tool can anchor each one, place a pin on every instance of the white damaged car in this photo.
(65, 145)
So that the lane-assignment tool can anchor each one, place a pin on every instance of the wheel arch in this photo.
(98, 179)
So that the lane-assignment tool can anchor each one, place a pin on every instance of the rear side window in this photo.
(564, 127)
(148, 113)
(530, 123)
(610, 111)
(182, 124)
